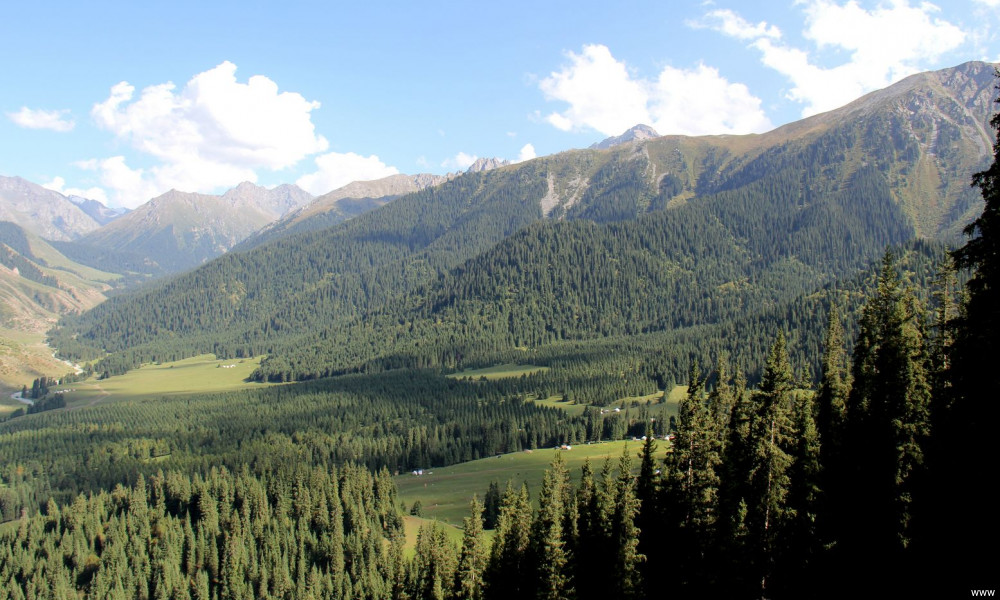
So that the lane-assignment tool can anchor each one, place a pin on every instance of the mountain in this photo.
(654, 238)
(487, 164)
(180, 230)
(635, 134)
(354, 199)
(97, 211)
(275, 202)
(38, 285)
(341, 204)
(41, 211)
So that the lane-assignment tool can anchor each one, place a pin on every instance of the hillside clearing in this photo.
(196, 375)
(499, 372)
(444, 493)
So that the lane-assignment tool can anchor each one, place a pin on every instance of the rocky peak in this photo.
(487, 164)
(635, 134)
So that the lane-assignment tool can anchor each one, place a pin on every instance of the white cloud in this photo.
(885, 45)
(733, 25)
(460, 161)
(42, 119)
(213, 133)
(336, 170)
(527, 153)
(603, 95)
(600, 91)
(58, 184)
(130, 187)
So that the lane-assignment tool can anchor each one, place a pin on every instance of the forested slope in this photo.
(645, 237)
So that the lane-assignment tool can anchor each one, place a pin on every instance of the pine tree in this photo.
(433, 565)
(491, 506)
(831, 397)
(508, 571)
(886, 424)
(965, 453)
(473, 557)
(553, 568)
(771, 434)
(733, 536)
(625, 534)
(801, 548)
(593, 535)
(647, 492)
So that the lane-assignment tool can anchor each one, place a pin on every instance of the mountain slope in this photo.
(180, 230)
(41, 211)
(634, 134)
(101, 214)
(342, 204)
(38, 285)
(674, 232)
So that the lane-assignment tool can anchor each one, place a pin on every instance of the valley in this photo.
(282, 395)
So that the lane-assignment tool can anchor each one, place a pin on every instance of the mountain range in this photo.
(180, 230)
(647, 237)
(42, 211)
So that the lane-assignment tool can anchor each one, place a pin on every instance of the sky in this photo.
(123, 101)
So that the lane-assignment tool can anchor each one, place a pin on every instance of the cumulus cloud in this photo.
(335, 170)
(884, 45)
(460, 161)
(527, 153)
(58, 184)
(54, 120)
(129, 187)
(733, 25)
(214, 132)
(605, 96)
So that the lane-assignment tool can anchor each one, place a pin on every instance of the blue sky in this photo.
(122, 101)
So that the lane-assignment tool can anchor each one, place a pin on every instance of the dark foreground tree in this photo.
(961, 518)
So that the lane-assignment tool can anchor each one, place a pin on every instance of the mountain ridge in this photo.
(179, 230)
(788, 210)
(42, 211)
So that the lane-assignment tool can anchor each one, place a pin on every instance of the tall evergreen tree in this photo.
(552, 561)
(771, 433)
(965, 453)
(886, 425)
(433, 569)
(593, 546)
(733, 536)
(801, 545)
(473, 557)
(625, 534)
(508, 572)
(690, 499)
(834, 385)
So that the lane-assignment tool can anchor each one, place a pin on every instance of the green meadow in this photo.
(196, 375)
(499, 372)
(445, 493)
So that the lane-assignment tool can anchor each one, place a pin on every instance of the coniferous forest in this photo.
(835, 437)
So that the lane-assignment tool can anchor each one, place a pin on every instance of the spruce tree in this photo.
(552, 562)
(592, 550)
(771, 435)
(801, 545)
(625, 534)
(433, 569)
(473, 557)
(508, 571)
(886, 424)
(831, 397)
(733, 536)
(965, 454)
